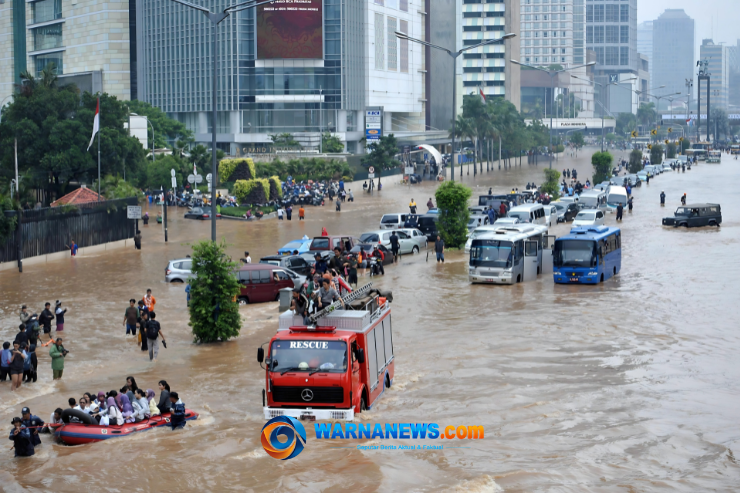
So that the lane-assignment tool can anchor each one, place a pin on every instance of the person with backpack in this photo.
(5, 356)
(153, 332)
(30, 365)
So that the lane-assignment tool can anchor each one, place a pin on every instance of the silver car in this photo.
(178, 270)
(406, 243)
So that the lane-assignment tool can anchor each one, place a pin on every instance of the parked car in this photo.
(428, 225)
(551, 214)
(634, 180)
(295, 263)
(589, 217)
(567, 211)
(367, 249)
(406, 243)
(259, 283)
(477, 220)
(301, 245)
(178, 270)
(310, 257)
(695, 215)
(200, 213)
(419, 238)
(392, 221)
(328, 243)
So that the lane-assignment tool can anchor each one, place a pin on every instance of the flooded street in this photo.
(629, 385)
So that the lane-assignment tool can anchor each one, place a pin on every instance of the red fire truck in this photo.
(335, 367)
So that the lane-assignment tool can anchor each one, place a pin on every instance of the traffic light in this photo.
(670, 130)
(634, 134)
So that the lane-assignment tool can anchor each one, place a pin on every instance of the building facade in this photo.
(645, 43)
(313, 71)
(85, 41)
(552, 32)
(718, 58)
(673, 51)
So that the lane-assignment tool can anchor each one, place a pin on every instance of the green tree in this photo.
(168, 132)
(656, 154)
(214, 312)
(114, 187)
(551, 185)
(685, 144)
(7, 223)
(635, 164)
(577, 139)
(602, 163)
(285, 140)
(646, 113)
(626, 123)
(452, 201)
(720, 123)
(610, 137)
(331, 143)
(671, 150)
(382, 154)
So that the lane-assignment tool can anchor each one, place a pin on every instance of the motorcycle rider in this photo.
(378, 254)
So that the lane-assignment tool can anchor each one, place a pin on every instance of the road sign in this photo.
(650, 146)
(370, 176)
(666, 141)
(133, 212)
(209, 177)
(191, 178)
(409, 170)
(653, 132)
(634, 134)
(172, 173)
(371, 169)
(670, 130)
(680, 139)
(198, 178)
(174, 182)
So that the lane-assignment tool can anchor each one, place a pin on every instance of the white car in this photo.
(589, 217)
(551, 214)
(506, 221)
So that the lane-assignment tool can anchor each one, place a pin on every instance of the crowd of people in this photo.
(130, 404)
(141, 315)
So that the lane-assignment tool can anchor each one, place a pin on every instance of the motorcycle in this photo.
(374, 266)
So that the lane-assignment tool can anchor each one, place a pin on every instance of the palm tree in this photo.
(463, 130)
(646, 113)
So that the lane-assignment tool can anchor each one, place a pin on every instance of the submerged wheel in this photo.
(614, 271)
(518, 278)
(363, 406)
(387, 381)
(602, 278)
(415, 250)
(243, 301)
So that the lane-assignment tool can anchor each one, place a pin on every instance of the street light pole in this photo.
(552, 74)
(454, 56)
(215, 19)
(603, 109)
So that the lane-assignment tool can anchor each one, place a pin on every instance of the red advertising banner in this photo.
(290, 29)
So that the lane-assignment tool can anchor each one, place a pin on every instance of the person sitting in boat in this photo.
(141, 406)
(92, 404)
(178, 411)
(114, 416)
(33, 424)
(129, 393)
(54, 419)
(100, 402)
(164, 397)
(153, 409)
(21, 437)
(127, 410)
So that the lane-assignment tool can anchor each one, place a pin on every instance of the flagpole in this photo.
(98, 148)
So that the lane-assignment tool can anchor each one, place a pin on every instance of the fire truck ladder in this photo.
(347, 298)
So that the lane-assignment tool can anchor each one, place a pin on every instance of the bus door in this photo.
(530, 261)
(548, 245)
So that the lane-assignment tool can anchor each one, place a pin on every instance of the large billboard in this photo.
(290, 29)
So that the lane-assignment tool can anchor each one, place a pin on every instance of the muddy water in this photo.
(630, 385)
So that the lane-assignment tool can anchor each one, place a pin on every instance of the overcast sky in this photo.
(717, 19)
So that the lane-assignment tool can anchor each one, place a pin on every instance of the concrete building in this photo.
(552, 32)
(718, 58)
(87, 41)
(673, 51)
(645, 43)
(487, 68)
(317, 70)
(734, 89)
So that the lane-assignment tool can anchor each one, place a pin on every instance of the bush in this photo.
(656, 154)
(602, 163)
(236, 169)
(276, 188)
(7, 224)
(240, 211)
(551, 186)
(251, 192)
(635, 165)
(214, 312)
(452, 201)
(671, 150)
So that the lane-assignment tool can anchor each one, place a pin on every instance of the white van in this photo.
(393, 221)
(551, 214)
(616, 196)
(529, 213)
(593, 199)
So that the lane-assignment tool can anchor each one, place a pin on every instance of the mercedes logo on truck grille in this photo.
(307, 395)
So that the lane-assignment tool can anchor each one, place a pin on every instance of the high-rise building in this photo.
(552, 32)
(734, 88)
(718, 59)
(86, 41)
(317, 67)
(487, 68)
(645, 43)
(673, 52)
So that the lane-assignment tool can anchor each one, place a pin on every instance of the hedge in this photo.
(276, 188)
(252, 191)
(236, 169)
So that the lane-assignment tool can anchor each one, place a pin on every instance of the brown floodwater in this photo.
(631, 385)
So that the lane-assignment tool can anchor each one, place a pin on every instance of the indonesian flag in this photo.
(483, 96)
(96, 125)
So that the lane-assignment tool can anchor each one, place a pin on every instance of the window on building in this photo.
(589, 13)
(598, 13)
(611, 55)
(472, 70)
(54, 59)
(598, 34)
(472, 28)
(589, 34)
(392, 44)
(404, 5)
(404, 47)
(624, 13)
(46, 10)
(379, 41)
(47, 37)
(612, 34)
(472, 56)
(624, 34)
(527, 51)
(494, 14)
(379, 2)
(624, 55)
(494, 28)
(468, 15)
(612, 12)
(599, 54)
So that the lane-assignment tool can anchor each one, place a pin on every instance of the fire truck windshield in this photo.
(310, 355)
(490, 253)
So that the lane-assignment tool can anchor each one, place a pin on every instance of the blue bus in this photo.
(588, 255)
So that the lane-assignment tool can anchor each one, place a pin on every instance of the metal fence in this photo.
(51, 229)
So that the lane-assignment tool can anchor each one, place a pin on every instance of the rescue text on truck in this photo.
(335, 367)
